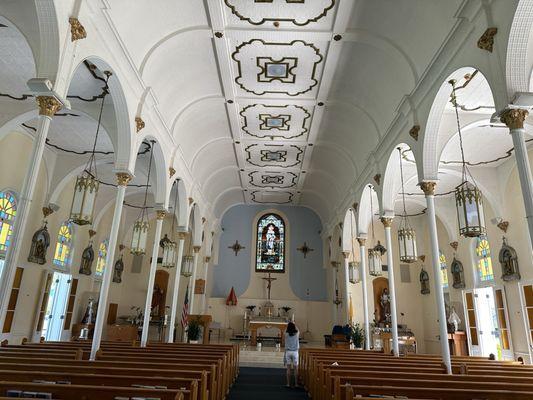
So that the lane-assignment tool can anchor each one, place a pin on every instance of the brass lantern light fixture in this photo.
(141, 226)
(169, 244)
(406, 234)
(354, 273)
(468, 198)
(187, 260)
(87, 184)
(375, 252)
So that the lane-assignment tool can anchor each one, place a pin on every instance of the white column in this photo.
(362, 252)
(48, 106)
(193, 279)
(151, 278)
(429, 191)
(203, 307)
(387, 222)
(122, 180)
(333, 296)
(175, 292)
(346, 287)
(514, 119)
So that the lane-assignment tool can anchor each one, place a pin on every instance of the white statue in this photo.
(454, 319)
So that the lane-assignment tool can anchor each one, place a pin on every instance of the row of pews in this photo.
(121, 371)
(346, 375)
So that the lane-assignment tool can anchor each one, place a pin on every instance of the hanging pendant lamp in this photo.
(169, 245)
(187, 262)
(468, 198)
(406, 234)
(141, 226)
(87, 184)
(354, 273)
(375, 252)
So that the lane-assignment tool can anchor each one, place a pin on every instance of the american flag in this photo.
(185, 312)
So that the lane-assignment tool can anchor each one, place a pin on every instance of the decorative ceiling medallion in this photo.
(274, 155)
(271, 197)
(298, 12)
(275, 122)
(273, 179)
(287, 68)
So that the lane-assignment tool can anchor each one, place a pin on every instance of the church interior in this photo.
(182, 181)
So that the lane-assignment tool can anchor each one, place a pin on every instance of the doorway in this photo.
(56, 305)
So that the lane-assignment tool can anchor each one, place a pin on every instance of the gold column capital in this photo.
(386, 221)
(207, 259)
(428, 187)
(182, 235)
(48, 105)
(362, 241)
(346, 254)
(161, 214)
(77, 30)
(139, 124)
(514, 117)
(196, 249)
(123, 178)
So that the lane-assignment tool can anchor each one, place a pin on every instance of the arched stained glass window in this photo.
(100, 262)
(443, 270)
(484, 262)
(63, 246)
(270, 251)
(8, 212)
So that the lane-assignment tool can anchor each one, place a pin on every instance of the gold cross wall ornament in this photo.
(305, 249)
(236, 247)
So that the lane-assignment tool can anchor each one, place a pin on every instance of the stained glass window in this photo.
(484, 262)
(8, 212)
(443, 270)
(63, 246)
(102, 255)
(270, 251)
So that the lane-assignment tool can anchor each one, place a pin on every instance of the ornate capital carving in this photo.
(514, 117)
(47, 211)
(503, 225)
(207, 259)
(48, 105)
(362, 241)
(92, 232)
(386, 221)
(171, 172)
(486, 41)
(161, 214)
(139, 123)
(428, 187)
(123, 178)
(182, 235)
(196, 249)
(191, 200)
(77, 31)
(346, 254)
(414, 132)
(377, 179)
(454, 245)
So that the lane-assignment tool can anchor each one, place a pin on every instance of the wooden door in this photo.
(472, 330)
(503, 323)
(12, 305)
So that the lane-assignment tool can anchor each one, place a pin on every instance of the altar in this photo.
(256, 324)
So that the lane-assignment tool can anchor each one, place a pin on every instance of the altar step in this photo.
(266, 358)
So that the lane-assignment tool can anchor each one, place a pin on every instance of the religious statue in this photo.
(117, 270)
(90, 313)
(87, 258)
(457, 274)
(157, 300)
(269, 280)
(454, 320)
(384, 302)
(509, 262)
(424, 282)
(39, 245)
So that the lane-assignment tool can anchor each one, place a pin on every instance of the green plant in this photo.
(357, 335)
(193, 330)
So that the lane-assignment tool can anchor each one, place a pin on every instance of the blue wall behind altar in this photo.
(304, 226)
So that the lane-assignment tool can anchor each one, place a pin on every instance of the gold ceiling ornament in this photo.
(386, 221)
(139, 124)
(47, 211)
(48, 105)
(514, 117)
(196, 249)
(422, 257)
(77, 30)
(414, 131)
(428, 187)
(503, 225)
(171, 172)
(486, 41)
(161, 214)
(191, 200)
(361, 241)
(123, 178)
(454, 245)
(92, 232)
(377, 179)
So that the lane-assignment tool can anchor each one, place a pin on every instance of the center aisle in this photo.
(264, 384)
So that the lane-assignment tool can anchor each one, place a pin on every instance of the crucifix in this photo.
(269, 279)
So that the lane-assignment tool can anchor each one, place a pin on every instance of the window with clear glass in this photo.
(63, 246)
(443, 270)
(102, 255)
(484, 261)
(270, 251)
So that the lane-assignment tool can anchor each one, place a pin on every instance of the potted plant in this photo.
(357, 336)
(193, 330)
